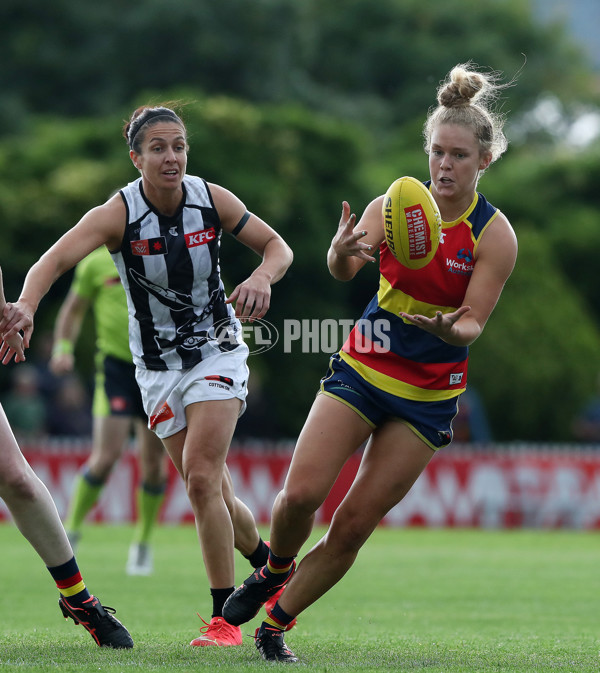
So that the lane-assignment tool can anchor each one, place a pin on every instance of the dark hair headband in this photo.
(139, 121)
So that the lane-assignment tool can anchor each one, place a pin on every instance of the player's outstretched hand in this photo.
(251, 298)
(441, 324)
(15, 318)
(347, 242)
(12, 347)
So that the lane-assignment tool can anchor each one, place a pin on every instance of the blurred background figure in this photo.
(117, 406)
(24, 404)
(69, 410)
(586, 426)
(39, 356)
(471, 423)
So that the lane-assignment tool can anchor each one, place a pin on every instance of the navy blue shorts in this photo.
(431, 421)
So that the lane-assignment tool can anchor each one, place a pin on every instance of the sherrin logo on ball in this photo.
(412, 221)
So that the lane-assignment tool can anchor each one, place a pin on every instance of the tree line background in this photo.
(296, 106)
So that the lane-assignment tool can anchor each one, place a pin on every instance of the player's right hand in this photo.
(62, 363)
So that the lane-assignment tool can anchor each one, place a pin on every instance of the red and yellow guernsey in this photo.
(398, 357)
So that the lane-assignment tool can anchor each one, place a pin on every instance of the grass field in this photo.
(416, 600)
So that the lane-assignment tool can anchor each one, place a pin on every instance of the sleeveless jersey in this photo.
(401, 358)
(169, 267)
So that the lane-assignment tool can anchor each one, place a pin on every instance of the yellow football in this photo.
(412, 221)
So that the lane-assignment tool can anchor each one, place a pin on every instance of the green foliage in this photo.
(542, 344)
(48, 180)
(293, 169)
(302, 166)
(296, 106)
(378, 63)
(537, 361)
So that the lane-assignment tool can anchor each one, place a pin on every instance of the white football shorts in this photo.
(166, 394)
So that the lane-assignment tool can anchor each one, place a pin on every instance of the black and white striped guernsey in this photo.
(169, 267)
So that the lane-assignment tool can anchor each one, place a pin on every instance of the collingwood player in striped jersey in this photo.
(164, 231)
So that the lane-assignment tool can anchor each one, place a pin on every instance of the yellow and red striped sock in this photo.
(70, 582)
(279, 565)
(278, 618)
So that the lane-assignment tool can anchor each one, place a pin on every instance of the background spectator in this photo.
(69, 412)
(471, 423)
(24, 404)
(586, 426)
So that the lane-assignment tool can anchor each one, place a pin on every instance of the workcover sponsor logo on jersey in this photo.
(200, 237)
(163, 414)
(456, 379)
(463, 264)
(419, 239)
(149, 246)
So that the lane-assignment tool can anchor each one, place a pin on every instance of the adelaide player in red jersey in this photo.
(396, 382)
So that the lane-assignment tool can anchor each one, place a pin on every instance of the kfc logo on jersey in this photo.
(200, 237)
(150, 246)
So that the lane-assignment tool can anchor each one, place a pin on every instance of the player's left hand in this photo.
(252, 298)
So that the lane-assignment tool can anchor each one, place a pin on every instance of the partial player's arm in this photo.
(353, 244)
(101, 225)
(252, 297)
(495, 259)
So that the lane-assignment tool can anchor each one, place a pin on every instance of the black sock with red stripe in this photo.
(279, 567)
(70, 582)
(278, 618)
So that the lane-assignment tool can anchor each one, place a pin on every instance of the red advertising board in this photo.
(527, 487)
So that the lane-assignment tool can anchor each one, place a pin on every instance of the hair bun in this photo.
(462, 87)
